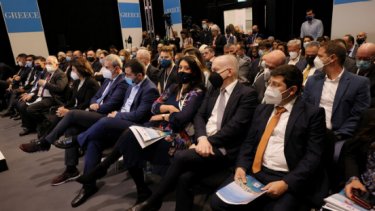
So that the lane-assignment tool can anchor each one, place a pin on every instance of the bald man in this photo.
(361, 38)
(365, 59)
(152, 72)
(270, 62)
(220, 126)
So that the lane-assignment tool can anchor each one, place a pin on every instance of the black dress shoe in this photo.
(35, 146)
(67, 142)
(97, 173)
(6, 113)
(145, 206)
(26, 131)
(83, 195)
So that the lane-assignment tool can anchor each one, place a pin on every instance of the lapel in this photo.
(297, 110)
(319, 88)
(341, 89)
(262, 124)
(83, 88)
(139, 93)
(232, 102)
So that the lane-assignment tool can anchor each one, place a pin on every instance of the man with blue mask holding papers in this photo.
(136, 109)
(283, 150)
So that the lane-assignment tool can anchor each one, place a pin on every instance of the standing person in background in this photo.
(312, 26)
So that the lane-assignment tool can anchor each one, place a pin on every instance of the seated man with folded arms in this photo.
(220, 127)
(109, 98)
(283, 149)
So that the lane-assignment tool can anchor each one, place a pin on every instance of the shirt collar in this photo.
(140, 83)
(337, 78)
(289, 105)
(229, 89)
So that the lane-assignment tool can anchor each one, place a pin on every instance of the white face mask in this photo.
(50, 68)
(29, 64)
(293, 55)
(107, 73)
(272, 95)
(305, 44)
(318, 63)
(74, 75)
(20, 64)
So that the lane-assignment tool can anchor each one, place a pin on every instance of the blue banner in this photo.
(21, 16)
(130, 15)
(347, 1)
(173, 7)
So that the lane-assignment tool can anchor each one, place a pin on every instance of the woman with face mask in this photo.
(173, 111)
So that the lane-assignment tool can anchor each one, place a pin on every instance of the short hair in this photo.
(114, 59)
(144, 54)
(104, 52)
(294, 42)
(313, 44)
(265, 43)
(215, 28)
(340, 42)
(83, 67)
(231, 61)
(308, 36)
(210, 49)
(136, 67)
(350, 37)
(291, 74)
(310, 9)
(53, 59)
(22, 55)
(167, 49)
(331, 47)
(41, 58)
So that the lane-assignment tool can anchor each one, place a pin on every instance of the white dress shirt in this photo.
(328, 97)
(129, 101)
(294, 61)
(274, 156)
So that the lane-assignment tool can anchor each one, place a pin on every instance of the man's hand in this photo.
(276, 189)
(26, 97)
(94, 106)
(354, 184)
(173, 109)
(42, 82)
(204, 148)
(158, 117)
(112, 114)
(17, 78)
(240, 175)
(61, 111)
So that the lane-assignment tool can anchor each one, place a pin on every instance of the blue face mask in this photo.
(260, 53)
(68, 58)
(129, 81)
(363, 64)
(165, 63)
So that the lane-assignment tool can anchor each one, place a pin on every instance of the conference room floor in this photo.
(26, 185)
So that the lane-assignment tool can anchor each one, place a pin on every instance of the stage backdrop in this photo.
(24, 26)
(174, 7)
(131, 22)
(353, 16)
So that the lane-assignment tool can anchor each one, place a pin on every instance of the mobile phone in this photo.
(363, 199)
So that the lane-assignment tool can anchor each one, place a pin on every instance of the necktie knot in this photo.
(280, 110)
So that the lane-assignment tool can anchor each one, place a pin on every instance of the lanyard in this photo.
(181, 102)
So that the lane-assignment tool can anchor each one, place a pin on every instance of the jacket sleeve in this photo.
(91, 89)
(116, 99)
(61, 82)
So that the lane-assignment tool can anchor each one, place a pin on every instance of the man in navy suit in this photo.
(136, 109)
(285, 155)
(343, 95)
(220, 127)
(108, 98)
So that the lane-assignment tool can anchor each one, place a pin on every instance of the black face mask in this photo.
(38, 68)
(216, 80)
(310, 60)
(360, 41)
(184, 78)
(90, 59)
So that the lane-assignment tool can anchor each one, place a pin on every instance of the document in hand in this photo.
(238, 193)
(147, 136)
(339, 202)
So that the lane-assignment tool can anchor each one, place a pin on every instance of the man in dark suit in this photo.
(152, 72)
(94, 62)
(136, 109)
(269, 62)
(366, 66)
(168, 73)
(220, 127)
(109, 97)
(351, 47)
(283, 149)
(49, 92)
(295, 57)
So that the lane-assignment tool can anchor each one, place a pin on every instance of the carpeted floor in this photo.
(26, 185)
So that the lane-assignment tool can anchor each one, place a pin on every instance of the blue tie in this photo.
(104, 93)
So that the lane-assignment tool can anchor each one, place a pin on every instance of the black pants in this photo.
(74, 122)
(33, 114)
(288, 201)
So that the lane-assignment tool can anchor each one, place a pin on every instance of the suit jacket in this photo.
(140, 110)
(254, 70)
(57, 85)
(115, 97)
(219, 43)
(301, 64)
(153, 73)
(350, 65)
(243, 71)
(371, 77)
(304, 146)
(236, 119)
(351, 99)
(82, 96)
(260, 85)
(171, 79)
(354, 52)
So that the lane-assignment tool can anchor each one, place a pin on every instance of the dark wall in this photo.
(6, 54)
